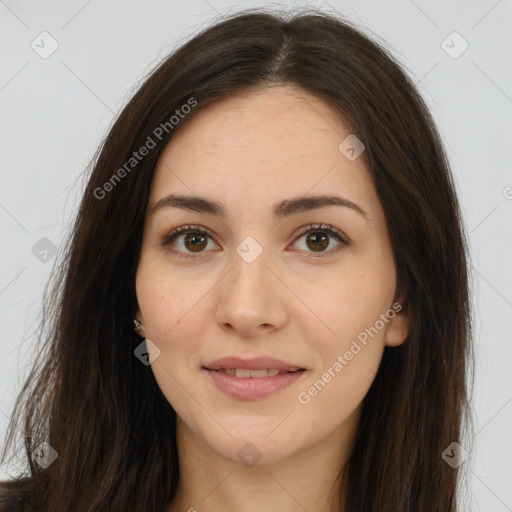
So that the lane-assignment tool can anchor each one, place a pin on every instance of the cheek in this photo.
(349, 362)
(169, 302)
(169, 327)
(171, 312)
(346, 303)
(351, 348)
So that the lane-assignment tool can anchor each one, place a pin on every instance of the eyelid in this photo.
(185, 229)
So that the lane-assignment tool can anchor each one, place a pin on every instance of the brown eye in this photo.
(318, 239)
(195, 242)
(187, 240)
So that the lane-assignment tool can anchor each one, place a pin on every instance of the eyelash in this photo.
(325, 228)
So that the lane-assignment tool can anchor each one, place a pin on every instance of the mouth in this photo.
(249, 384)
(244, 373)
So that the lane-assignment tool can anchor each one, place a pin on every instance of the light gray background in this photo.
(55, 112)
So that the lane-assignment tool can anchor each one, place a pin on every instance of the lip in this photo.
(253, 388)
(255, 363)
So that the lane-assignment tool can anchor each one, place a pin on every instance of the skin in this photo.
(249, 151)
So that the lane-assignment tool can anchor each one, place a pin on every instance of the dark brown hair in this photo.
(102, 410)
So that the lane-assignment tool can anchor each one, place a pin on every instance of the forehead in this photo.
(270, 144)
(279, 121)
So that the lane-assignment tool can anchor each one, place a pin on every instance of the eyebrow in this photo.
(280, 210)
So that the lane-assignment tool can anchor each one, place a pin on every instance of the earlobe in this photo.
(397, 329)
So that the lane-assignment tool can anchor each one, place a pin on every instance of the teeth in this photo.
(244, 372)
(258, 373)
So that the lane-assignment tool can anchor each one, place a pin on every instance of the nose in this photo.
(251, 299)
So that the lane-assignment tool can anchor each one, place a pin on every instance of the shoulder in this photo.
(15, 495)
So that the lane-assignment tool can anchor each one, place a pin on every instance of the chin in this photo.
(255, 452)
(253, 446)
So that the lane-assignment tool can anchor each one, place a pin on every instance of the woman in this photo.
(274, 212)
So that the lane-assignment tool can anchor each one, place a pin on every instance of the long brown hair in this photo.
(102, 411)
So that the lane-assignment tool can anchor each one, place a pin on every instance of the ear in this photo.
(398, 326)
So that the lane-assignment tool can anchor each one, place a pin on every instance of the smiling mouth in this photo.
(245, 384)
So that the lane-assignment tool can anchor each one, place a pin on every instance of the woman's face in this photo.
(266, 281)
